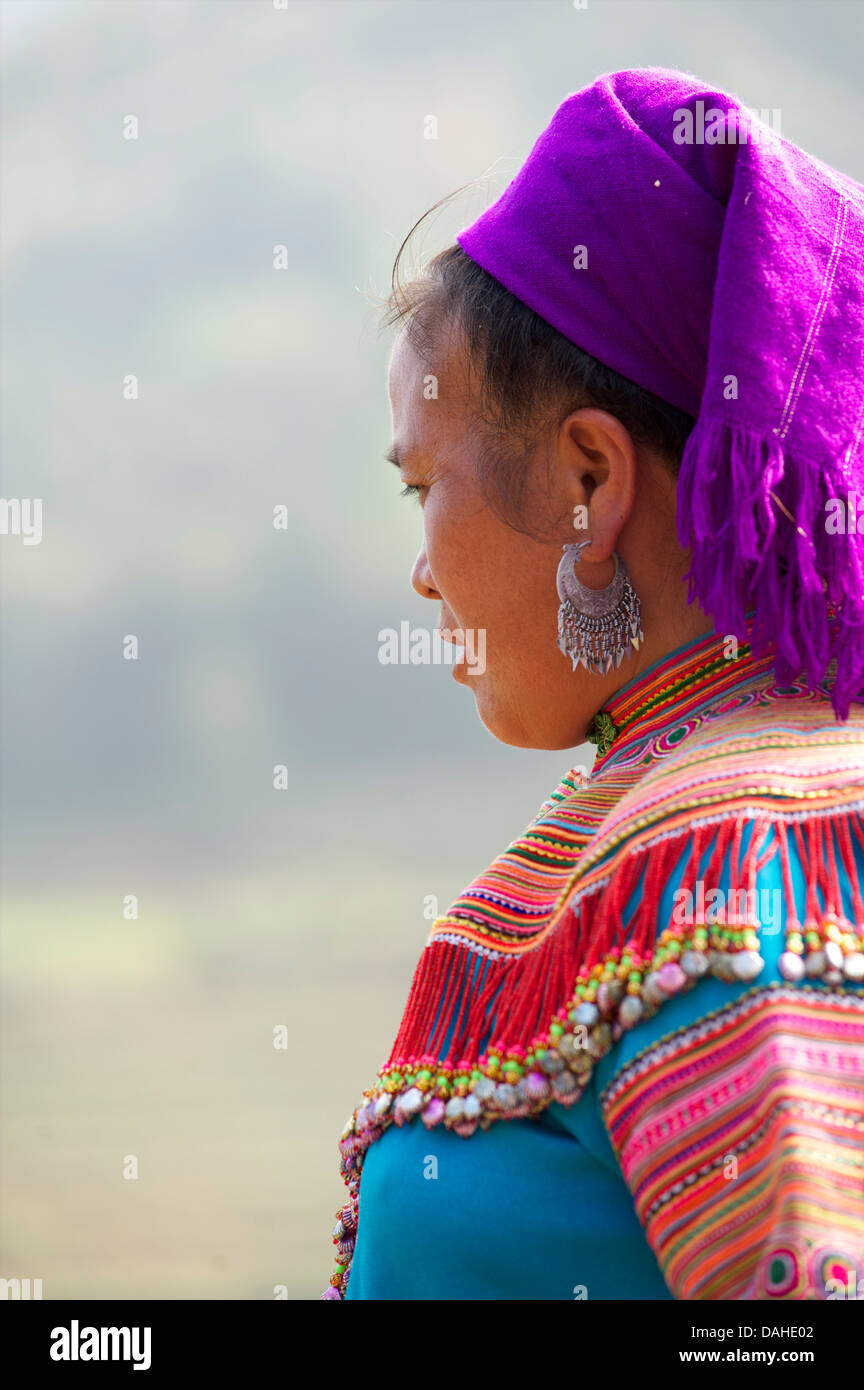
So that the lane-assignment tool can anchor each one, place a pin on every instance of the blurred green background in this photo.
(259, 126)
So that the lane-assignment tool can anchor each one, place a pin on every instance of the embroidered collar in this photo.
(690, 676)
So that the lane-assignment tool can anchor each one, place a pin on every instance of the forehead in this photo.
(405, 368)
(431, 407)
(435, 375)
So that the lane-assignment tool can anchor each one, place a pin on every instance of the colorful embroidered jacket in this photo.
(659, 987)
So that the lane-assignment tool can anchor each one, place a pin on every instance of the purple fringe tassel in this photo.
(747, 554)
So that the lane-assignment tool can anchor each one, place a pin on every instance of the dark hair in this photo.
(530, 376)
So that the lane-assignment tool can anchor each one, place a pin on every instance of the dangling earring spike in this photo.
(597, 628)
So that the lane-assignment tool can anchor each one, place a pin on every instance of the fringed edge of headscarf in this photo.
(754, 518)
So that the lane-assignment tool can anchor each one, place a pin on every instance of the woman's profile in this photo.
(630, 402)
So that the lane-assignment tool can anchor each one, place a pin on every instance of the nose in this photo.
(421, 577)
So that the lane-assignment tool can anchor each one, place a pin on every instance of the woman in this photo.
(631, 1064)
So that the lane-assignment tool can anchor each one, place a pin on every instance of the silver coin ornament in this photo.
(597, 628)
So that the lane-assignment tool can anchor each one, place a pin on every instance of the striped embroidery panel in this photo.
(800, 763)
(741, 1139)
(518, 891)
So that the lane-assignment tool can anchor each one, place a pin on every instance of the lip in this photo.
(458, 666)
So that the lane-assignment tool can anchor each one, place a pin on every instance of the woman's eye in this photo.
(411, 490)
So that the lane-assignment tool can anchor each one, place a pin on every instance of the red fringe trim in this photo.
(521, 995)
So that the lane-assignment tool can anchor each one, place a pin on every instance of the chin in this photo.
(504, 725)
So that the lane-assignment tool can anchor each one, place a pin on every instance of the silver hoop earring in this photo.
(597, 628)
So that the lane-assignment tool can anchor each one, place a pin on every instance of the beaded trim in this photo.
(611, 998)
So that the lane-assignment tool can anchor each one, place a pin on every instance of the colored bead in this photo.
(747, 964)
(791, 967)
(651, 991)
(609, 995)
(535, 1086)
(720, 965)
(600, 1040)
(407, 1105)
(434, 1113)
(853, 966)
(552, 1063)
(565, 1087)
(671, 978)
(568, 1046)
(465, 1128)
(814, 963)
(694, 964)
(630, 1011)
(587, 1014)
(507, 1097)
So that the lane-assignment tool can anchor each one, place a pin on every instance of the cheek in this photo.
(491, 576)
(456, 551)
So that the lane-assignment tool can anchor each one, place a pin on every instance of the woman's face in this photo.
(489, 578)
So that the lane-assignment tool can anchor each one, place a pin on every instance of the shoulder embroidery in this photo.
(756, 1116)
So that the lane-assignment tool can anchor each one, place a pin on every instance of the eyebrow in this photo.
(404, 458)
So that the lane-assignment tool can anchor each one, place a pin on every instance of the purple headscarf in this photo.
(664, 230)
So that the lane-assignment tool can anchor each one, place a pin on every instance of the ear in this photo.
(598, 460)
